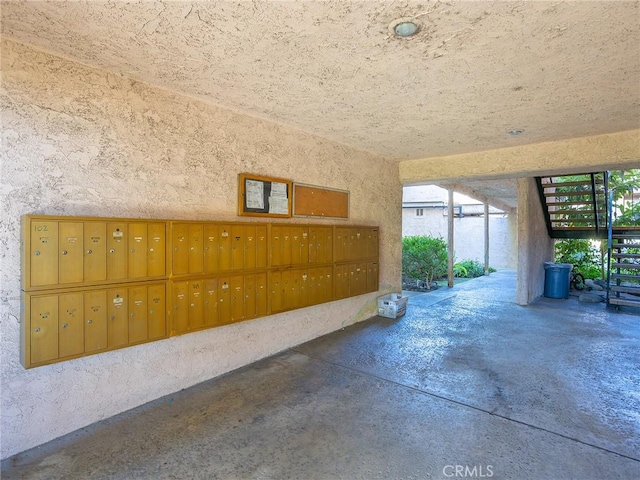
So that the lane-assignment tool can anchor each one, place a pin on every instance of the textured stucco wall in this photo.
(575, 155)
(534, 244)
(80, 141)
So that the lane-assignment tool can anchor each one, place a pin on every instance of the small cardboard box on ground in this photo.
(392, 305)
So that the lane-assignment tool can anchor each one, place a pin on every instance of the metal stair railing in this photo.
(574, 208)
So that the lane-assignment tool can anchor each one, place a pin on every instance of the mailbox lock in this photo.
(113, 317)
(64, 252)
(89, 252)
(65, 325)
(36, 253)
(151, 250)
(89, 321)
(37, 329)
(112, 251)
(133, 250)
(133, 315)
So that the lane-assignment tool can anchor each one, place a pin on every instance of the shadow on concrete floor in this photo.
(465, 384)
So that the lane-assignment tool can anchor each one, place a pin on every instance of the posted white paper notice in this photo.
(254, 191)
(278, 201)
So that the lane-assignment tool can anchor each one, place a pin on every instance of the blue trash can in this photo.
(557, 277)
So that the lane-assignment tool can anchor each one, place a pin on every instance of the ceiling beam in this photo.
(614, 151)
(477, 195)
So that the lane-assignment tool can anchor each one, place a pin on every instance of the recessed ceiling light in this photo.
(515, 132)
(404, 27)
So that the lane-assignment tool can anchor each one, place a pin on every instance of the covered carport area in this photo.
(506, 178)
(466, 382)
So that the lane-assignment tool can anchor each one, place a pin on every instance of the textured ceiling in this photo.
(474, 71)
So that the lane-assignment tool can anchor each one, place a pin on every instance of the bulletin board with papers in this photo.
(260, 196)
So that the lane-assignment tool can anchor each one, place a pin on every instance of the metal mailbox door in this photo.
(275, 289)
(261, 294)
(95, 319)
(137, 245)
(70, 324)
(118, 317)
(180, 310)
(237, 247)
(116, 251)
(196, 304)
(138, 328)
(196, 248)
(250, 247)
(156, 249)
(224, 249)
(180, 248)
(224, 301)
(210, 308)
(156, 304)
(250, 296)
(44, 253)
(313, 244)
(276, 246)
(236, 284)
(95, 251)
(71, 246)
(303, 296)
(261, 246)
(296, 245)
(211, 246)
(44, 328)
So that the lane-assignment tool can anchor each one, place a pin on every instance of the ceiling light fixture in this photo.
(515, 132)
(404, 27)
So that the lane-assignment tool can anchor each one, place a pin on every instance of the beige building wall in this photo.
(80, 141)
(468, 230)
(468, 235)
(534, 244)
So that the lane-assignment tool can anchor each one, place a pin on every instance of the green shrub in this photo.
(424, 258)
(460, 271)
(470, 269)
(580, 253)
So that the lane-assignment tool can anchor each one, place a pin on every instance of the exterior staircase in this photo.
(624, 271)
(575, 206)
(579, 206)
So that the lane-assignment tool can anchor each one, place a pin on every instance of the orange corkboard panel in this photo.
(264, 196)
(314, 201)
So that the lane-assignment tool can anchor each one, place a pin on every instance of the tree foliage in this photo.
(588, 259)
(581, 253)
(622, 183)
(424, 258)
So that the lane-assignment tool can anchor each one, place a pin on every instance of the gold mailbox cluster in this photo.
(92, 284)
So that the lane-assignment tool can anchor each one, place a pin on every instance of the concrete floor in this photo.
(467, 384)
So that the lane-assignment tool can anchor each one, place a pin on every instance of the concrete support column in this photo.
(534, 244)
(486, 238)
(450, 242)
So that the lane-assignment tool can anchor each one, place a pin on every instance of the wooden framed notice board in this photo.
(315, 201)
(260, 196)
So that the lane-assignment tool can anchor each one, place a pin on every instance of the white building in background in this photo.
(425, 212)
